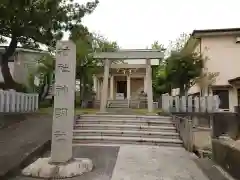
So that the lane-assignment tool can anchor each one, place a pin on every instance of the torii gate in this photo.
(128, 54)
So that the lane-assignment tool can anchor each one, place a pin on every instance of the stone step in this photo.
(124, 133)
(124, 127)
(125, 140)
(105, 116)
(126, 121)
(117, 101)
(118, 106)
(121, 102)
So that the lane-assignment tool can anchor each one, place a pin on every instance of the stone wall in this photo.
(219, 132)
(195, 129)
(225, 142)
(226, 153)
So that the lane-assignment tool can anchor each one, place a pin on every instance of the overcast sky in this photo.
(137, 23)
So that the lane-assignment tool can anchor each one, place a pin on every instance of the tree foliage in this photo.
(44, 75)
(162, 84)
(156, 75)
(178, 44)
(182, 70)
(30, 22)
(179, 69)
(86, 43)
(206, 79)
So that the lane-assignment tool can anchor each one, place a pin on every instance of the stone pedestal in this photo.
(44, 169)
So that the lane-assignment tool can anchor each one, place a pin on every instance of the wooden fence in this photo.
(12, 101)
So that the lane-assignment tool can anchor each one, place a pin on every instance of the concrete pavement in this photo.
(131, 162)
(104, 159)
(124, 162)
(156, 163)
(22, 141)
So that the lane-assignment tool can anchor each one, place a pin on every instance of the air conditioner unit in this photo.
(238, 39)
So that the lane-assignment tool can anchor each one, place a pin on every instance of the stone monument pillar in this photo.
(145, 83)
(61, 163)
(95, 83)
(183, 104)
(190, 104)
(196, 104)
(112, 87)
(128, 87)
(104, 95)
(64, 95)
(149, 85)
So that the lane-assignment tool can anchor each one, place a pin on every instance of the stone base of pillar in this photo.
(42, 168)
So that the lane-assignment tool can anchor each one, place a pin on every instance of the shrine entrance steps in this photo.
(118, 103)
(116, 111)
(124, 103)
(112, 129)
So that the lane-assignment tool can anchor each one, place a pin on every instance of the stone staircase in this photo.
(125, 129)
(118, 103)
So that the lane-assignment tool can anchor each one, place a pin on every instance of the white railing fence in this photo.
(12, 101)
(190, 104)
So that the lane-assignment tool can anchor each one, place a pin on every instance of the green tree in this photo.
(182, 70)
(185, 69)
(179, 69)
(158, 46)
(30, 22)
(206, 79)
(45, 75)
(86, 65)
(157, 75)
(87, 43)
(162, 83)
(178, 44)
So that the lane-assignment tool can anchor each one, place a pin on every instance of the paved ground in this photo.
(128, 162)
(137, 162)
(104, 159)
(21, 139)
(156, 163)
(8, 119)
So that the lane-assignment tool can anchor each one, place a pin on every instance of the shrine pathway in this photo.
(129, 162)
(22, 140)
(125, 162)
(156, 163)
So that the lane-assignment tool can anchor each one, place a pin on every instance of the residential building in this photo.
(22, 63)
(221, 48)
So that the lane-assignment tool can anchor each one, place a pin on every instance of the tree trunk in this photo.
(82, 89)
(44, 90)
(8, 79)
(182, 91)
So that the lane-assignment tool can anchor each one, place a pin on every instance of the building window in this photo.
(238, 96)
(224, 98)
